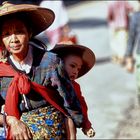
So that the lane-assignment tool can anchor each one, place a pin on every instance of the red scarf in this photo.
(22, 85)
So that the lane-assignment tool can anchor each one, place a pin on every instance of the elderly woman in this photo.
(30, 78)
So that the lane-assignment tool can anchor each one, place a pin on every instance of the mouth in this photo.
(15, 47)
(72, 77)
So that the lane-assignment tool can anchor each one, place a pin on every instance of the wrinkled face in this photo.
(72, 66)
(15, 37)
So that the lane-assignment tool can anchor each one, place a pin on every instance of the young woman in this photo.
(30, 78)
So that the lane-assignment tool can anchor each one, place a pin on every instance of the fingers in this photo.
(17, 137)
(19, 130)
(29, 134)
(91, 133)
(26, 135)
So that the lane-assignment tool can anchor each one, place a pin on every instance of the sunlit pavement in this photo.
(107, 88)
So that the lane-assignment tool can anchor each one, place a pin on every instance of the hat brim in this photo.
(40, 18)
(87, 55)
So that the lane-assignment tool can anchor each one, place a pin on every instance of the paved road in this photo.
(107, 88)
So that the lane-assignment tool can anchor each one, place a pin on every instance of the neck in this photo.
(19, 57)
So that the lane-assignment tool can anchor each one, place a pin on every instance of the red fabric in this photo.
(119, 19)
(86, 123)
(22, 85)
(72, 38)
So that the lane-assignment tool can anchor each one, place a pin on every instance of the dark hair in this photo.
(24, 17)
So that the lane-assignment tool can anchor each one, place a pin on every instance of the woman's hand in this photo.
(18, 129)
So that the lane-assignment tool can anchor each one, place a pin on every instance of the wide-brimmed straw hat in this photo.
(85, 53)
(38, 17)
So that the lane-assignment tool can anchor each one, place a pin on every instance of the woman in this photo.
(30, 77)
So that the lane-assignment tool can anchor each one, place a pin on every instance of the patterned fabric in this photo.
(45, 123)
(50, 72)
(46, 71)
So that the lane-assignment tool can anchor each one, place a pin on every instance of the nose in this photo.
(14, 38)
(75, 72)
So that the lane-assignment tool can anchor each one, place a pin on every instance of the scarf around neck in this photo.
(21, 84)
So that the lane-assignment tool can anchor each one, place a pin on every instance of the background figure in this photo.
(134, 41)
(60, 25)
(118, 20)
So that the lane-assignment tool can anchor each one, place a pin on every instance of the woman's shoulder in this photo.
(50, 58)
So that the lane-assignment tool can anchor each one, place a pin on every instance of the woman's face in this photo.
(72, 64)
(15, 37)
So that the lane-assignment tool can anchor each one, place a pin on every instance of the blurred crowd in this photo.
(124, 30)
(60, 30)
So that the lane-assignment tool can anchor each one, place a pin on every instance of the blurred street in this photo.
(108, 89)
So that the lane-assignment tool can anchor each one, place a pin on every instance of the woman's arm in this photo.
(86, 125)
(1, 119)
(18, 130)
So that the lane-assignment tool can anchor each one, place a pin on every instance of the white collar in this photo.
(26, 64)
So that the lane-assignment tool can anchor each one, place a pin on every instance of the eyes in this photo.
(8, 32)
(74, 66)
